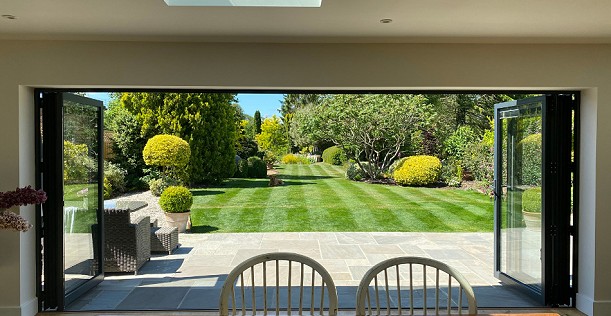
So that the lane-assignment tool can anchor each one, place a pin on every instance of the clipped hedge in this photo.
(418, 171)
(530, 160)
(257, 168)
(176, 199)
(166, 151)
(531, 200)
(334, 155)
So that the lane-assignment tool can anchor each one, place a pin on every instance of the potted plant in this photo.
(176, 203)
(531, 208)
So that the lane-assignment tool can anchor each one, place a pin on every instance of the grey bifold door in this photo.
(70, 144)
(533, 168)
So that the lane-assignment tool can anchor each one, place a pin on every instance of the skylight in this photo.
(245, 3)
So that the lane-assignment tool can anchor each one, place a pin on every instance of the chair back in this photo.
(279, 281)
(413, 285)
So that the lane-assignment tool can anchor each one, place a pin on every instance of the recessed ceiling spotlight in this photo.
(9, 16)
(245, 3)
(385, 21)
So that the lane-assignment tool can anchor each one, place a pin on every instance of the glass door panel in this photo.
(532, 172)
(81, 155)
(69, 137)
(521, 159)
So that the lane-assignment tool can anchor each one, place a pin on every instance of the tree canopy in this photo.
(373, 127)
(207, 121)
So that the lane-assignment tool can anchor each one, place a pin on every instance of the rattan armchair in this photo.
(127, 245)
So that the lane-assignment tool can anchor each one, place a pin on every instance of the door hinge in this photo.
(572, 230)
(553, 167)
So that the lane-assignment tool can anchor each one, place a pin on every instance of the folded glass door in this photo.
(72, 174)
(533, 140)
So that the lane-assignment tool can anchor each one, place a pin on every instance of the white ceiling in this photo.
(466, 21)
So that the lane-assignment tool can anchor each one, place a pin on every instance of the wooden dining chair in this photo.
(414, 286)
(278, 282)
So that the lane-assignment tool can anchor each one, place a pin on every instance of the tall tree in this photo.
(205, 120)
(371, 126)
(272, 139)
(257, 122)
(292, 102)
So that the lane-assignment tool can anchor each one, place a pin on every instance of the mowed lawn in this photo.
(318, 198)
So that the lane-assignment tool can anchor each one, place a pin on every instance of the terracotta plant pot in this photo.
(178, 220)
(532, 220)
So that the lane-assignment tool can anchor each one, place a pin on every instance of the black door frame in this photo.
(44, 295)
(557, 128)
(50, 217)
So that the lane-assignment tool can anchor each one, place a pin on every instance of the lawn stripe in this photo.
(252, 217)
(454, 212)
(335, 216)
(299, 218)
(317, 198)
(354, 201)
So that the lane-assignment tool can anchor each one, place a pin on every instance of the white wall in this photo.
(25, 64)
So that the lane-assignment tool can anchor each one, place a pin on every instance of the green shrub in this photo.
(115, 176)
(127, 144)
(157, 186)
(176, 199)
(77, 163)
(451, 173)
(479, 160)
(241, 169)
(334, 155)
(531, 200)
(530, 160)
(107, 189)
(418, 171)
(354, 172)
(454, 146)
(256, 168)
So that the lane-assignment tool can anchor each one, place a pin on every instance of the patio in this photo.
(191, 278)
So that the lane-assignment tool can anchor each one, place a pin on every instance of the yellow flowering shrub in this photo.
(418, 171)
(290, 159)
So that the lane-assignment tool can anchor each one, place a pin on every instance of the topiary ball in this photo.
(166, 151)
(418, 171)
(176, 199)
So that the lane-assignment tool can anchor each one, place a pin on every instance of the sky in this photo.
(267, 104)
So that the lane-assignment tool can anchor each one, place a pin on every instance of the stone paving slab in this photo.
(192, 276)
